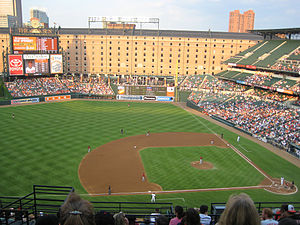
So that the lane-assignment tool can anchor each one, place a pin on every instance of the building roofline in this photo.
(153, 32)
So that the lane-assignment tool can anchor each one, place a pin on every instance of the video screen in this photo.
(23, 44)
(36, 64)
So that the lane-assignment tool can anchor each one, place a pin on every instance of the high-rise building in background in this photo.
(38, 17)
(11, 13)
(240, 23)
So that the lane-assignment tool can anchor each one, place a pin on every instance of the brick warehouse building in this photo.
(145, 52)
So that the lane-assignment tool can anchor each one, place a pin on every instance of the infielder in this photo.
(153, 197)
(282, 181)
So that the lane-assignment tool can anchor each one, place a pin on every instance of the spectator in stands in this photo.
(191, 217)
(204, 217)
(131, 219)
(267, 217)
(47, 220)
(154, 215)
(162, 220)
(179, 214)
(239, 210)
(120, 219)
(76, 211)
(104, 218)
(287, 214)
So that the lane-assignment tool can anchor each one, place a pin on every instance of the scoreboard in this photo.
(35, 55)
(35, 64)
(28, 44)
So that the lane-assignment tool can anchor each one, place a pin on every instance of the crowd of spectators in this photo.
(260, 113)
(239, 209)
(200, 82)
(258, 79)
(289, 67)
(53, 86)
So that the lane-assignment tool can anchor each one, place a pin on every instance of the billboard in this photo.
(24, 101)
(28, 44)
(57, 98)
(35, 64)
(56, 64)
(15, 65)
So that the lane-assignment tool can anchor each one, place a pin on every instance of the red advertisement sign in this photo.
(15, 65)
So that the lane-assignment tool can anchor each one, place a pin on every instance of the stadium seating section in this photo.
(271, 54)
(53, 85)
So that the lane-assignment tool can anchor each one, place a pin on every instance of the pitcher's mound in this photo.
(204, 166)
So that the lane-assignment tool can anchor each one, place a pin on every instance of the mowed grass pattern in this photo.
(171, 168)
(45, 144)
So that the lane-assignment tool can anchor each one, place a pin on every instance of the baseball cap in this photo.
(291, 209)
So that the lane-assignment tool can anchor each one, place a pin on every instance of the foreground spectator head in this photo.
(239, 210)
(287, 215)
(179, 211)
(47, 220)
(131, 219)
(162, 220)
(192, 217)
(287, 209)
(267, 213)
(104, 218)
(205, 219)
(76, 211)
(203, 209)
(120, 219)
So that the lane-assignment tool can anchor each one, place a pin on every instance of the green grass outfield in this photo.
(45, 143)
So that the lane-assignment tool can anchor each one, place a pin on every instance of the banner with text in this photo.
(57, 98)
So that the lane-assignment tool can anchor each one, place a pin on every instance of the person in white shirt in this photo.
(204, 217)
(153, 197)
(30, 68)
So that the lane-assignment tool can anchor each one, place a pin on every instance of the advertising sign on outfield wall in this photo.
(57, 98)
(164, 99)
(149, 98)
(24, 101)
(170, 91)
(129, 97)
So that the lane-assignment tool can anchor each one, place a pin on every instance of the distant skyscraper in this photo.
(40, 15)
(241, 22)
(11, 13)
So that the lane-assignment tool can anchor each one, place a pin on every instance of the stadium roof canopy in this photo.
(162, 33)
(159, 33)
(272, 32)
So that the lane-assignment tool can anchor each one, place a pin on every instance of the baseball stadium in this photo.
(137, 120)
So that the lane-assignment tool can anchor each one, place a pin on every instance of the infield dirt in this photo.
(118, 163)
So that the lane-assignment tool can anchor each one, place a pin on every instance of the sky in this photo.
(199, 15)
